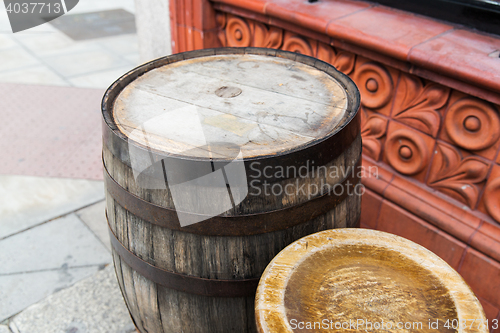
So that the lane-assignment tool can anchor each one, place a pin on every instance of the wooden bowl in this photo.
(363, 280)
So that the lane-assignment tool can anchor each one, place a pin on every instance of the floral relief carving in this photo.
(267, 37)
(469, 123)
(295, 43)
(373, 129)
(237, 32)
(406, 151)
(374, 83)
(472, 124)
(491, 198)
(420, 104)
(342, 60)
(459, 178)
(220, 18)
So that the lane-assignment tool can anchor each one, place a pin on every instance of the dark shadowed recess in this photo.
(483, 15)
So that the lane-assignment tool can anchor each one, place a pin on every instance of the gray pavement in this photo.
(51, 252)
(46, 55)
(57, 273)
(95, 219)
(29, 201)
(92, 305)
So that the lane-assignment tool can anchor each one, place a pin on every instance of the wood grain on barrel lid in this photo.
(265, 105)
(357, 275)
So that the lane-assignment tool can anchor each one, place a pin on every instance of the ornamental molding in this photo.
(418, 127)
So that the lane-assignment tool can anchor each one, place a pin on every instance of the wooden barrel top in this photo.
(347, 275)
(265, 105)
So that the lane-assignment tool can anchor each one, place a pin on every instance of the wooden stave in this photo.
(109, 159)
(129, 278)
(147, 315)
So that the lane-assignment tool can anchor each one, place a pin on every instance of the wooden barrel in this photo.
(361, 280)
(215, 160)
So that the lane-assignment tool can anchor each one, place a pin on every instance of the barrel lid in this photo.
(358, 276)
(265, 105)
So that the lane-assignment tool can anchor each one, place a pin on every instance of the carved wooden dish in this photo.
(339, 280)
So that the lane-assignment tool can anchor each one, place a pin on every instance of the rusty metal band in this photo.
(238, 225)
(181, 282)
(320, 151)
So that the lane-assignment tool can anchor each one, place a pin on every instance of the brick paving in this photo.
(51, 131)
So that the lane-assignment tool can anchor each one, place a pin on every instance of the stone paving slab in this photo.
(15, 58)
(94, 305)
(122, 45)
(64, 242)
(93, 25)
(97, 5)
(85, 62)
(46, 44)
(46, 55)
(4, 329)
(46, 258)
(38, 74)
(18, 291)
(94, 217)
(101, 79)
(28, 201)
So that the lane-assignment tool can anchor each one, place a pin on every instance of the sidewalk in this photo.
(57, 273)
(47, 55)
(64, 240)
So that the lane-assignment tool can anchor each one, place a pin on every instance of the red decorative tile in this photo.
(385, 30)
(373, 131)
(203, 15)
(198, 40)
(419, 103)
(408, 151)
(379, 177)
(472, 124)
(256, 6)
(314, 16)
(435, 205)
(490, 311)
(376, 83)
(185, 40)
(492, 230)
(451, 224)
(487, 240)
(183, 13)
(461, 54)
(180, 40)
(416, 189)
(483, 276)
(296, 43)
(457, 174)
(370, 208)
(400, 222)
(211, 39)
(490, 200)
(467, 87)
